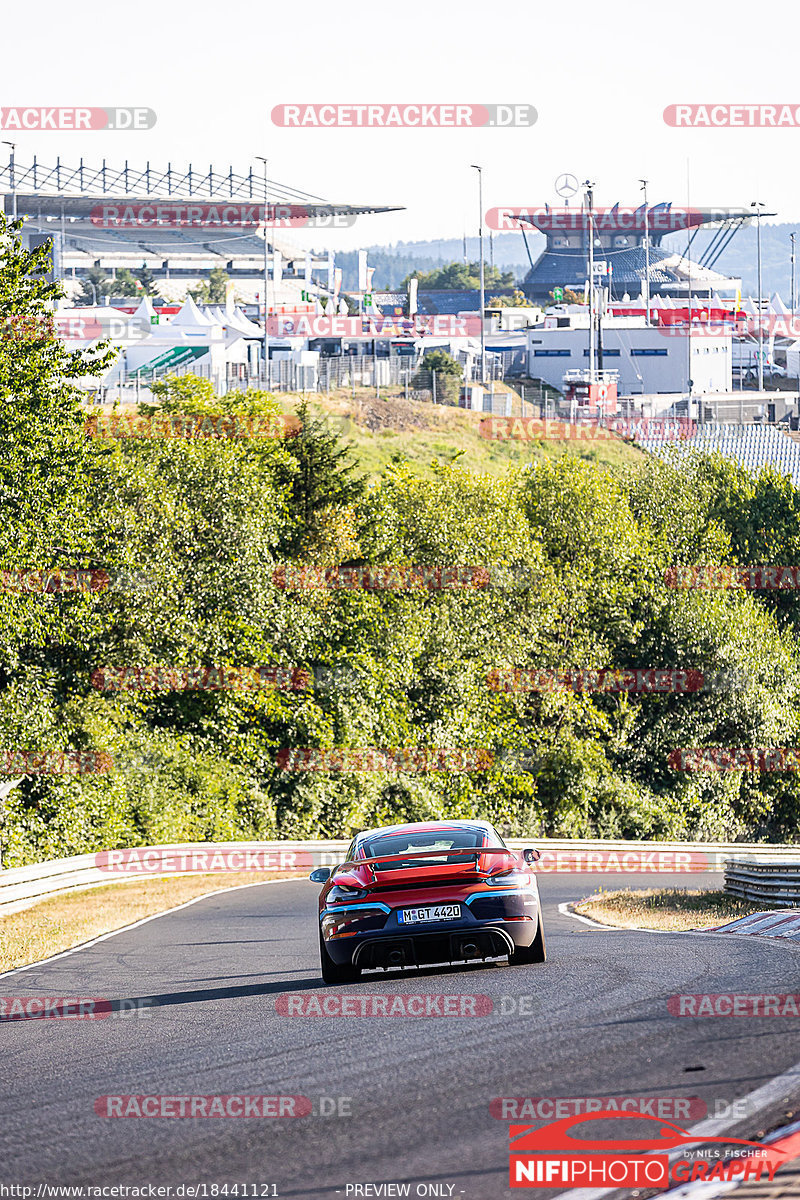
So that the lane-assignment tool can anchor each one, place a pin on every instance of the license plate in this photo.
(438, 912)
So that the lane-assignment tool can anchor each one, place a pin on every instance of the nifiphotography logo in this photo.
(551, 1156)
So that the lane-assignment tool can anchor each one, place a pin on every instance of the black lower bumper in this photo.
(461, 945)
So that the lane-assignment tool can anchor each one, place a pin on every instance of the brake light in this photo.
(346, 922)
(512, 875)
(340, 891)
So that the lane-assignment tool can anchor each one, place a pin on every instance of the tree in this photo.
(146, 279)
(517, 300)
(125, 283)
(443, 363)
(213, 289)
(94, 285)
(48, 467)
(42, 437)
(459, 276)
(569, 297)
(321, 476)
(448, 376)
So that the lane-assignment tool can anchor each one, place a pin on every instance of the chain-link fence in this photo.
(384, 377)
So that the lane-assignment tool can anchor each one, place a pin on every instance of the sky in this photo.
(599, 76)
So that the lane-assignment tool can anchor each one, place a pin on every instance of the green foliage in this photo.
(147, 280)
(459, 276)
(96, 285)
(448, 376)
(568, 297)
(211, 290)
(124, 284)
(443, 363)
(518, 299)
(191, 533)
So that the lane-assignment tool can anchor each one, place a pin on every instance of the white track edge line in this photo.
(566, 910)
(238, 887)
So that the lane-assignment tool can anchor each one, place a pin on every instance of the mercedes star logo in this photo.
(567, 185)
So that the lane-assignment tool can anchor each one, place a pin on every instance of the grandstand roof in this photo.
(661, 218)
(568, 269)
(70, 191)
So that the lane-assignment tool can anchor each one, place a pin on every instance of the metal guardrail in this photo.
(774, 880)
(21, 887)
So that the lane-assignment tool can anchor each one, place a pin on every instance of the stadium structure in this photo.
(180, 224)
(620, 253)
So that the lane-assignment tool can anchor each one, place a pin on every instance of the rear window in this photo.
(407, 844)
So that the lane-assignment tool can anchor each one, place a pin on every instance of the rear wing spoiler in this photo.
(462, 852)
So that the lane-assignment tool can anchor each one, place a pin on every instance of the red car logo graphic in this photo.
(552, 1157)
(556, 1137)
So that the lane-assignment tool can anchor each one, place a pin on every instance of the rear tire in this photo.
(332, 972)
(535, 953)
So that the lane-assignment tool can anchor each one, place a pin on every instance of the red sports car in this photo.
(434, 892)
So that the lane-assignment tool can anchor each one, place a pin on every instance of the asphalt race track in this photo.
(406, 1099)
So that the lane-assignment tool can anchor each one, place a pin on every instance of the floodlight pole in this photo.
(12, 179)
(794, 300)
(590, 214)
(758, 205)
(261, 158)
(483, 281)
(643, 182)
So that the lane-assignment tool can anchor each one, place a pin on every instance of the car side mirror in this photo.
(531, 856)
(320, 875)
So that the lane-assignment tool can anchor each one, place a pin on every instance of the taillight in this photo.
(345, 922)
(512, 875)
(340, 891)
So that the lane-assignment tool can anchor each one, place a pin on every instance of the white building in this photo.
(648, 359)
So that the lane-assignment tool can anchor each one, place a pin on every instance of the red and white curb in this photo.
(774, 924)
